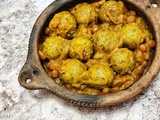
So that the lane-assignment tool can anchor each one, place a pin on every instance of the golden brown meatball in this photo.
(71, 72)
(106, 41)
(123, 61)
(85, 14)
(55, 48)
(81, 48)
(112, 12)
(100, 74)
(132, 35)
(63, 24)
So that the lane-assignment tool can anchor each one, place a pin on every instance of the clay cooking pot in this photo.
(33, 76)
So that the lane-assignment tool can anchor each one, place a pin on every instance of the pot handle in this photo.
(32, 78)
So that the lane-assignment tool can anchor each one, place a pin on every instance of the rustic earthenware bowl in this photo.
(33, 76)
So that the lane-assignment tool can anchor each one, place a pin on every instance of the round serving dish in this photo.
(33, 76)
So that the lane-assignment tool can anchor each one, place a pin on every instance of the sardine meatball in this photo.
(85, 14)
(81, 48)
(105, 40)
(71, 72)
(132, 35)
(100, 74)
(112, 12)
(123, 61)
(63, 24)
(55, 48)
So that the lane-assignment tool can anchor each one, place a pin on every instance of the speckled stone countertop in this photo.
(16, 103)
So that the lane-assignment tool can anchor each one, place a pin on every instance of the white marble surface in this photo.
(16, 103)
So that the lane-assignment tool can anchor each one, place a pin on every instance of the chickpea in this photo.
(139, 70)
(144, 64)
(139, 53)
(151, 43)
(94, 29)
(53, 65)
(131, 19)
(127, 85)
(118, 83)
(139, 56)
(106, 90)
(143, 48)
(42, 55)
(91, 91)
(115, 89)
(132, 13)
(146, 55)
(139, 60)
(47, 31)
(54, 74)
(52, 34)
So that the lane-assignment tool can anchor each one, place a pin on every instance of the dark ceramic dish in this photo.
(33, 76)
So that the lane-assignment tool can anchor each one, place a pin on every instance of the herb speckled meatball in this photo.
(123, 61)
(132, 35)
(105, 40)
(71, 72)
(81, 48)
(100, 74)
(112, 12)
(55, 48)
(85, 14)
(63, 24)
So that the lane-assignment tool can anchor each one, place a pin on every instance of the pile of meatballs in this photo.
(96, 48)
